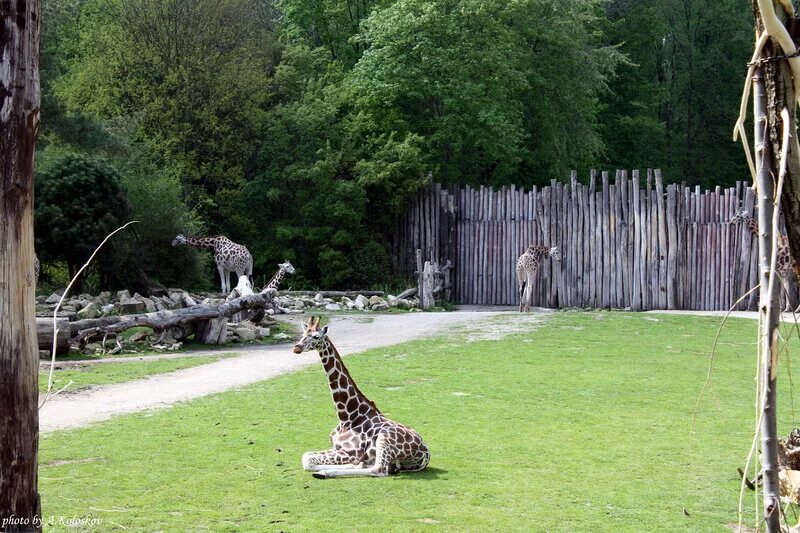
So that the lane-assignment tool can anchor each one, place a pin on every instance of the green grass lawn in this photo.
(109, 373)
(580, 425)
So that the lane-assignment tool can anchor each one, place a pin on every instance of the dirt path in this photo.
(351, 333)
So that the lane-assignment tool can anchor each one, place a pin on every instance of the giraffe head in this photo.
(741, 216)
(180, 239)
(287, 267)
(313, 336)
(553, 252)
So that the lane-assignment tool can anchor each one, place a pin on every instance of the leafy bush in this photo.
(79, 201)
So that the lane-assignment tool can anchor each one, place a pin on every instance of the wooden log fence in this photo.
(630, 241)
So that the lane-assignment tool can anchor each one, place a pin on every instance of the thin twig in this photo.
(61, 300)
(711, 357)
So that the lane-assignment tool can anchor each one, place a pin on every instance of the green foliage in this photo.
(301, 128)
(79, 201)
(675, 104)
(477, 81)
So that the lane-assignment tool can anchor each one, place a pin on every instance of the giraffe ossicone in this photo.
(229, 256)
(365, 442)
(527, 265)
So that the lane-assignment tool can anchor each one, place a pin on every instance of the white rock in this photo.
(333, 307)
(361, 301)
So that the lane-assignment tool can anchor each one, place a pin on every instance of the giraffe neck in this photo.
(349, 401)
(276, 279)
(538, 251)
(202, 242)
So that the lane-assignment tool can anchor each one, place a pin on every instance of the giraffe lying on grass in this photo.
(527, 265)
(365, 443)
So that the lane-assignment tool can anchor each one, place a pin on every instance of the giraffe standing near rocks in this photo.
(527, 265)
(365, 443)
(229, 256)
(783, 259)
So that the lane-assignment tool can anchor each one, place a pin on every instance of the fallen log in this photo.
(407, 293)
(44, 332)
(209, 321)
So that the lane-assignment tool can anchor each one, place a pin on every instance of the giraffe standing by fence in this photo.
(783, 259)
(229, 256)
(365, 443)
(527, 265)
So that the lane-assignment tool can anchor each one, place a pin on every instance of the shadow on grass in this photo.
(427, 474)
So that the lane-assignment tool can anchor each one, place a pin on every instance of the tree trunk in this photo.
(20, 508)
(769, 307)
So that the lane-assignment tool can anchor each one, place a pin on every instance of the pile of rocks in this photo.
(298, 304)
(86, 306)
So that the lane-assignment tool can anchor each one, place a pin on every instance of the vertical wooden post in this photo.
(768, 307)
(20, 508)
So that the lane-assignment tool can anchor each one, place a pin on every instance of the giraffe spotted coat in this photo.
(229, 256)
(365, 442)
(783, 260)
(527, 265)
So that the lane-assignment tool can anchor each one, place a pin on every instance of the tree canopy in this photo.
(300, 128)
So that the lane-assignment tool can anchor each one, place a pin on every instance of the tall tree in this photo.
(20, 26)
(673, 105)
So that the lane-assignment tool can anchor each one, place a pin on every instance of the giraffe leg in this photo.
(522, 292)
(314, 461)
(384, 457)
(221, 278)
(528, 293)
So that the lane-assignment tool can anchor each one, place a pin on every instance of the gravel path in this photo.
(350, 333)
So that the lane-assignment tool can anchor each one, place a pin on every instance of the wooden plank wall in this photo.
(626, 240)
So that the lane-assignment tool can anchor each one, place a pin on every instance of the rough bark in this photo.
(20, 508)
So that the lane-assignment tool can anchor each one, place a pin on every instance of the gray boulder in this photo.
(90, 311)
(333, 307)
(245, 334)
(129, 306)
(383, 306)
(54, 298)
